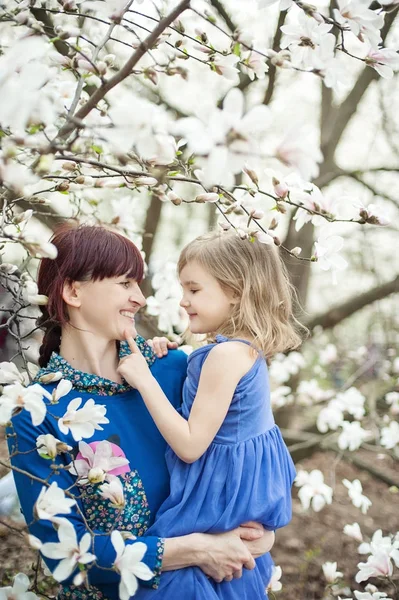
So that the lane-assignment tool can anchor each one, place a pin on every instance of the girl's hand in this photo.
(161, 345)
(134, 368)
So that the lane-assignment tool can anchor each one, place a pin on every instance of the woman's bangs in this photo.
(118, 256)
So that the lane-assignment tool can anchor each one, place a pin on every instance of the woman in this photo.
(93, 296)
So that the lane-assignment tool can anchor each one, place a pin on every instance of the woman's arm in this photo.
(223, 368)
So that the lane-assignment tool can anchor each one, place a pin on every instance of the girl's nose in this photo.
(184, 303)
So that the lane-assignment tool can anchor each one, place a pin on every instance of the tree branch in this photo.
(122, 74)
(337, 314)
(273, 68)
(225, 16)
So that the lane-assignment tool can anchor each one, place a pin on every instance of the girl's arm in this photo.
(223, 368)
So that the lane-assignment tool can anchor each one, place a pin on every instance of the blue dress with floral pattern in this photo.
(132, 436)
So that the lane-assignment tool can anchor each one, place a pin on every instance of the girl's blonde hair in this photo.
(256, 273)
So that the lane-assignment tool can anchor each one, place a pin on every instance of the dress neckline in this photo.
(89, 382)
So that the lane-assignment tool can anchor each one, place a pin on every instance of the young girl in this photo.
(227, 460)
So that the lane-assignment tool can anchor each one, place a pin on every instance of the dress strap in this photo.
(222, 338)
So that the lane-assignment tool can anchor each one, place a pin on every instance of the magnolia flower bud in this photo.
(225, 226)
(257, 214)
(174, 199)
(280, 188)
(45, 163)
(50, 377)
(24, 216)
(297, 250)
(68, 166)
(273, 223)
(96, 475)
(101, 67)
(145, 181)
(8, 268)
(79, 179)
(109, 59)
(63, 186)
(251, 174)
(264, 238)
(151, 75)
(209, 197)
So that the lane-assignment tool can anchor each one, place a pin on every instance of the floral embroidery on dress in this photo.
(93, 384)
(72, 592)
(101, 514)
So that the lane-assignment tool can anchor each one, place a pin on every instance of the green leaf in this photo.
(237, 49)
(97, 149)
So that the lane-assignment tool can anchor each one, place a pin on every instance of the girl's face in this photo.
(207, 304)
(104, 307)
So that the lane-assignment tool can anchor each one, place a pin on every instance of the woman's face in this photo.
(105, 307)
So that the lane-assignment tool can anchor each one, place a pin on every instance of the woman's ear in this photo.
(71, 293)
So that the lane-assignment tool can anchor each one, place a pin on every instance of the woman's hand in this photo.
(259, 546)
(134, 368)
(226, 555)
(161, 345)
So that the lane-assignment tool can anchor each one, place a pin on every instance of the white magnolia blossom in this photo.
(283, 366)
(330, 417)
(17, 397)
(129, 564)
(254, 65)
(362, 21)
(49, 447)
(351, 401)
(377, 565)
(328, 355)
(9, 373)
(306, 39)
(19, 589)
(63, 388)
(352, 436)
(311, 199)
(227, 137)
(96, 463)
(52, 501)
(313, 491)
(384, 60)
(353, 531)
(69, 551)
(82, 422)
(392, 398)
(327, 250)
(31, 294)
(371, 595)
(275, 584)
(281, 396)
(113, 491)
(330, 572)
(390, 435)
(309, 392)
(380, 543)
(355, 494)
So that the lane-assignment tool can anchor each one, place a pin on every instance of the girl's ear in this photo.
(71, 293)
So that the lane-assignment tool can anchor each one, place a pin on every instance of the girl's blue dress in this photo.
(245, 475)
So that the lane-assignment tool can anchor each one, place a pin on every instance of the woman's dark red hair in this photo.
(86, 252)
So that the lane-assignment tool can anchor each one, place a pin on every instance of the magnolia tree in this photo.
(278, 118)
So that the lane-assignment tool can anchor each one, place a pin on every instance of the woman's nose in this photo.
(138, 297)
